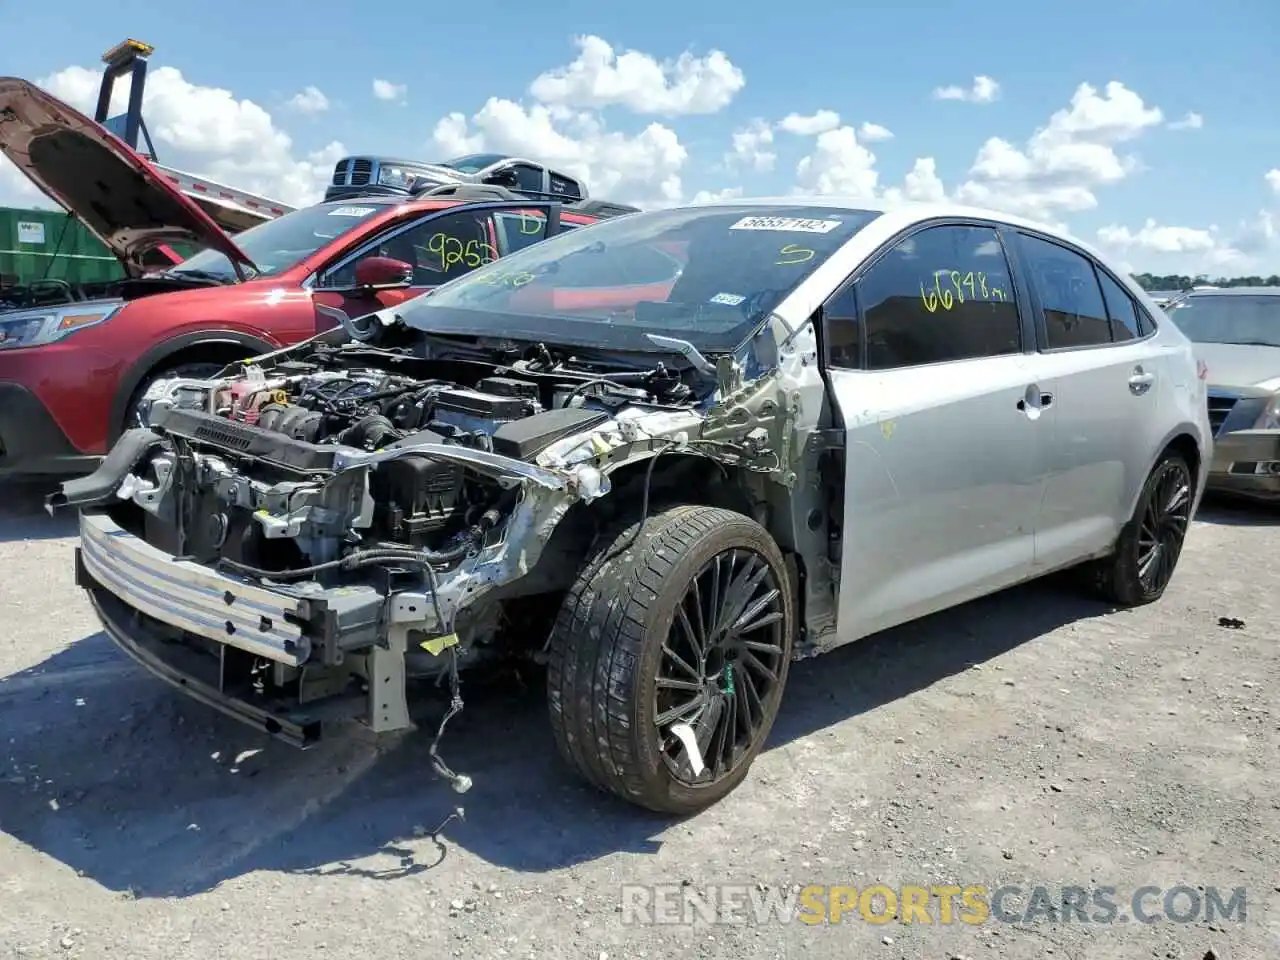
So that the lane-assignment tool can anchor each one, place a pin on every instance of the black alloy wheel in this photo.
(669, 656)
(1146, 553)
(1164, 525)
(720, 665)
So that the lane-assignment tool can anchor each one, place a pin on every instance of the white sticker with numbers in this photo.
(786, 224)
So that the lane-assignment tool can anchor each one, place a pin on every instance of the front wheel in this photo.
(193, 371)
(669, 657)
(1147, 551)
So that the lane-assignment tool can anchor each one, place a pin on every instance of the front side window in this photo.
(1246, 318)
(440, 248)
(276, 245)
(709, 275)
(473, 162)
(1074, 312)
(942, 294)
(841, 329)
(528, 178)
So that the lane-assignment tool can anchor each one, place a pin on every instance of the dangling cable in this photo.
(459, 781)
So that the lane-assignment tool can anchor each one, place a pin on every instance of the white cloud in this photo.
(1192, 121)
(600, 77)
(1251, 247)
(309, 100)
(643, 168)
(728, 193)
(1160, 239)
(873, 132)
(751, 148)
(921, 185)
(1273, 179)
(17, 191)
(983, 90)
(839, 165)
(391, 92)
(842, 165)
(1064, 161)
(811, 125)
(203, 130)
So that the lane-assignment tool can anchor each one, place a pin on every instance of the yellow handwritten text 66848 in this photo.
(951, 287)
(452, 252)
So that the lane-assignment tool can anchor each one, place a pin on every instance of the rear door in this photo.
(1093, 345)
(441, 245)
(926, 351)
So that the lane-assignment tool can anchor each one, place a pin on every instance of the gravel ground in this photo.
(1033, 738)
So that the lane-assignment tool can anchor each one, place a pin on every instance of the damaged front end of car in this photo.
(306, 538)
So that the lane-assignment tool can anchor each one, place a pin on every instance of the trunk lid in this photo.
(116, 193)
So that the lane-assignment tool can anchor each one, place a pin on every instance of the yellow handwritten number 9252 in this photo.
(451, 251)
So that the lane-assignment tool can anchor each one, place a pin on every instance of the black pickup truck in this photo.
(363, 176)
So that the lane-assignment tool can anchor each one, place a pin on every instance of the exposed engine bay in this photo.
(273, 445)
(367, 515)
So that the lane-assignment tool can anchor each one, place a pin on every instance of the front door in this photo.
(944, 422)
(440, 246)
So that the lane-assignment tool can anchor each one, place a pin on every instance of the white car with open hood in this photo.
(665, 455)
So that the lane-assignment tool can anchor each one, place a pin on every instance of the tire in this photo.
(196, 371)
(1164, 506)
(610, 667)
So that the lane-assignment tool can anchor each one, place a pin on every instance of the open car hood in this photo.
(110, 188)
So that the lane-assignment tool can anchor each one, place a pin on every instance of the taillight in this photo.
(1202, 370)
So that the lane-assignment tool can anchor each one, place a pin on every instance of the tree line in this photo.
(1177, 281)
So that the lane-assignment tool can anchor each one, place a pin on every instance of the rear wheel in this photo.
(1147, 552)
(669, 658)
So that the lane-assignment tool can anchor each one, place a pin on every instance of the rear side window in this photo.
(1075, 314)
(941, 294)
(1121, 309)
(519, 230)
(563, 186)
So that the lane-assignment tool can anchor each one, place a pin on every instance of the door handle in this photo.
(1046, 399)
(1141, 382)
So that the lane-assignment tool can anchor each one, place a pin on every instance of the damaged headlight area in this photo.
(304, 541)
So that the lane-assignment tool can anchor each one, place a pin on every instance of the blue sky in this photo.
(1153, 191)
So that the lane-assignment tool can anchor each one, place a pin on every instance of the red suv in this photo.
(71, 374)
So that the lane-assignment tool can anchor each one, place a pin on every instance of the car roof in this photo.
(907, 213)
(433, 203)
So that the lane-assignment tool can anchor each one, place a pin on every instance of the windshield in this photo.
(1229, 318)
(280, 243)
(709, 275)
(473, 162)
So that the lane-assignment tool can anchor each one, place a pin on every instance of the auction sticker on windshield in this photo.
(798, 224)
(352, 211)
